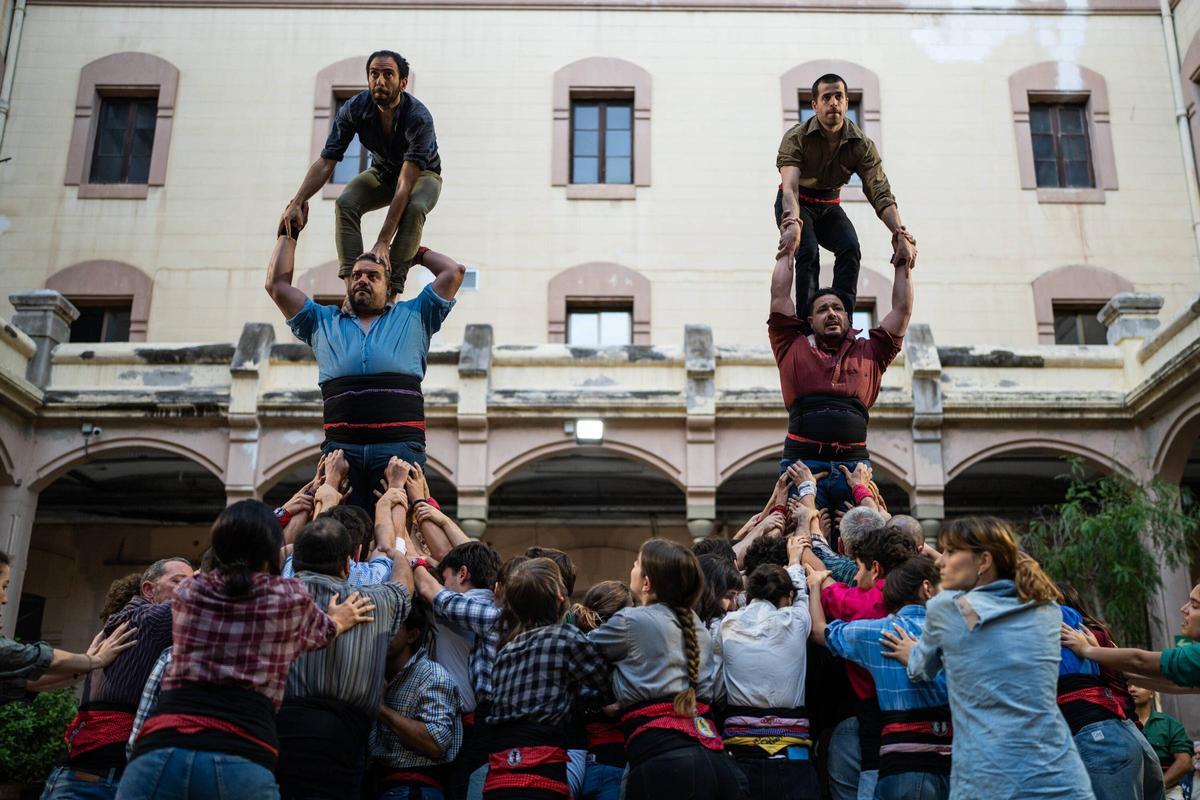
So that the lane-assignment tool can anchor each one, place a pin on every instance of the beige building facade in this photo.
(115, 453)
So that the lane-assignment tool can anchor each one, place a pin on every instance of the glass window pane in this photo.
(853, 111)
(1078, 174)
(106, 169)
(587, 117)
(146, 112)
(586, 170)
(583, 329)
(349, 167)
(139, 170)
(1047, 173)
(1039, 119)
(806, 112)
(1066, 328)
(618, 118)
(1070, 119)
(617, 170)
(1094, 331)
(112, 142)
(1074, 148)
(1043, 146)
(617, 143)
(863, 320)
(116, 325)
(143, 142)
(587, 143)
(89, 325)
(616, 328)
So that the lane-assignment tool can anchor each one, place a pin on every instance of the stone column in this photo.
(17, 508)
(46, 316)
(247, 370)
(474, 372)
(929, 476)
(1130, 315)
(700, 360)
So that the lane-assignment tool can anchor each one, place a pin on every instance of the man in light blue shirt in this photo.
(371, 356)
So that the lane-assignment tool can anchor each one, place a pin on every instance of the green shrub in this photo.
(31, 735)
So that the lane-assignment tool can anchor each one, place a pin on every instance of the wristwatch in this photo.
(418, 562)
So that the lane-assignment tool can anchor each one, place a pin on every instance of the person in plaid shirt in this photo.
(540, 671)
(236, 631)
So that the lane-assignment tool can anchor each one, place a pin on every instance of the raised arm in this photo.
(781, 283)
(447, 273)
(317, 176)
(288, 299)
(896, 322)
(1122, 659)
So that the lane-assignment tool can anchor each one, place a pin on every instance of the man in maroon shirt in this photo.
(830, 377)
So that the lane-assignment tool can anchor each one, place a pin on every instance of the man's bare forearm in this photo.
(395, 211)
(891, 218)
(317, 176)
(789, 184)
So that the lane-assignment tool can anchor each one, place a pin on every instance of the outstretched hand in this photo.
(293, 220)
(861, 476)
(898, 645)
(904, 249)
(354, 610)
(1077, 641)
(789, 237)
(107, 648)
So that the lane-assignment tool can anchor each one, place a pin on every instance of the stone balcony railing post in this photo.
(46, 316)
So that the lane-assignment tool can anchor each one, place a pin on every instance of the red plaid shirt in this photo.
(249, 641)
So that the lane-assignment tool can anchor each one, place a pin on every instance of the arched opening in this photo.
(1016, 485)
(597, 506)
(102, 519)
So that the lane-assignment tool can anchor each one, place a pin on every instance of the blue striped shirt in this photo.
(858, 641)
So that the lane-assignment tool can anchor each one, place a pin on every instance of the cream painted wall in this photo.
(702, 233)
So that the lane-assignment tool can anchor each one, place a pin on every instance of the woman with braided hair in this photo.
(666, 671)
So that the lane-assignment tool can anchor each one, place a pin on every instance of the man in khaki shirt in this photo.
(816, 159)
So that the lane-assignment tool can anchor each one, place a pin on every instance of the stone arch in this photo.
(107, 280)
(889, 468)
(1056, 447)
(598, 281)
(1076, 283)
(634, 453)
(1172, 453)
(50, 471)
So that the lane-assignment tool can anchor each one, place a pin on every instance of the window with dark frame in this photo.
(602, 140)
(853, 113)
(101, 321)
(356, 159)
(1076, 323)
(124, 140)
(1062, 149)
(599, 324)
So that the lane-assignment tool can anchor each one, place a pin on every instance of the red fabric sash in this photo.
(510, 769)
(191, 724)
(661, 716)
(836, 446)
(412, 777)
(93, 729)
(807, 199)
(1097, 695)
(932, 728)
(599, 733)
(335, 426)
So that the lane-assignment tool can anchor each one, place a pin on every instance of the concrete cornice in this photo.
(1021, 7)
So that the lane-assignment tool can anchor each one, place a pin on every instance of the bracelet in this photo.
(419, 258)
(860, 493)
(420, 500)
(778, 510)
(284, 516)
(806, 488)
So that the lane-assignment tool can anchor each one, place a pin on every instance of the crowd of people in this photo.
(317, 652)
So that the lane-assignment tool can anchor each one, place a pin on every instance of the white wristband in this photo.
(401, 546)
(805, 488)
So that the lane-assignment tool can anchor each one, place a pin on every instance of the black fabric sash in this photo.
(321, 745)
(372, 409)
(1084, 699)
(839, 421)
(938, 733)
(246, 709)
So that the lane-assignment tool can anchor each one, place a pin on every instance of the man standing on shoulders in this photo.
(816, 159)
(405, 172)
(371, 357)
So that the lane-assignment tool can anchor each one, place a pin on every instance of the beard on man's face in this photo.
(382, 96)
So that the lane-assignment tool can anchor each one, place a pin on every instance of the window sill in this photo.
(601, 191)
(1070, 196)
(114, 191)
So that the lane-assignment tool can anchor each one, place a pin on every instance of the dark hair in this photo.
(208, 561)
(1072, 597)
(847, 303)
(904, 581)
(599, 604)
(322, 546)
(481, 560)
(401, 64)
(828, 77)
(720, 578)
(765, 550)
(675, 576)
(245, 537)
(358, 525)
(506, 569)
(769, 582)
(377, 261)
(420, 619)
(890, 547)
(566, 567)
(4, 558)
(120, 592)
(993, 535)
(716, 546)
(534, 597)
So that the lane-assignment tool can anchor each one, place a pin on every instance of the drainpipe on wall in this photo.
(10, 64)
(1185, 132)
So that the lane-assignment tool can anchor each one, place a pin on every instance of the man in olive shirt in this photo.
(816, 159)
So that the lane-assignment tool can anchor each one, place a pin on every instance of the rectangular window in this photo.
(1062, 152)
(599, 326)
(356, 159)
(1076, 324)
(853, 113)
(106, 321)
(602, 141)
(124, 140)
(863, 319)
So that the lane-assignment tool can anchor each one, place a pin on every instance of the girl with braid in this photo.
(666, 672)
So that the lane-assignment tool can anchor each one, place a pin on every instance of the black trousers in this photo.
(825, 225)
(779, 779)
(690, 772)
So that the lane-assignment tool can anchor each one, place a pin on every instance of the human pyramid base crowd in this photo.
(355, 643)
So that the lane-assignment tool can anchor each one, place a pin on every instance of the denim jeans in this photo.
(1119, 761)
(173, 773)
(827, 226)
(475, 790)
(913, 786)
(367, 463)
(833, 490)
(601, 782)
(844, 760)
(404, 793)
(64, 785)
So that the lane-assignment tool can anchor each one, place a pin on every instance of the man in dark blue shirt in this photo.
(404, 176)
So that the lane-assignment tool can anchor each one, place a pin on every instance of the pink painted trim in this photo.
(1051, 80)
(1191, 91)
(1074, 284)
(322, 281)
(109, 280)
(598, 281)
(121, 73)
(600, 75)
